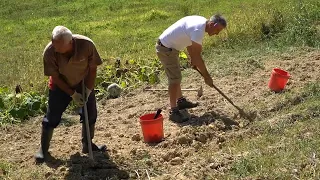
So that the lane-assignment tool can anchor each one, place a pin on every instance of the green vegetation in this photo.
(129, 30)
(286, 149)
(5, 169)
(18, 107)
(125, 33)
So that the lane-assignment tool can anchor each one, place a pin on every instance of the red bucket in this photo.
(278, 79)
(152, 129)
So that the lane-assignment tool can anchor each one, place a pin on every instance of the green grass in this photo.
(5, 169)
(129, 29)
(287, 149)
(277, 154)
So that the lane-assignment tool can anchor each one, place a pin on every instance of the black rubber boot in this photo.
(84, 141)
(43, 155)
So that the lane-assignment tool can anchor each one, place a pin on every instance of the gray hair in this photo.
(219, 19)
(62, 33)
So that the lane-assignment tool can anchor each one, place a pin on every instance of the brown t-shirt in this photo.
(75, 69)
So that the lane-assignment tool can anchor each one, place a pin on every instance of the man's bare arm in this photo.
(196, 59)
(90, 80)
(62, 85)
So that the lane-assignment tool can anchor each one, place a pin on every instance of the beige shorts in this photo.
(170, 61)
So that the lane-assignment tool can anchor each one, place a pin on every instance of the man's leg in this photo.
(92, 117)
(174, 94)
(179, 92)
(175, 114)
(58, 102)
(170, 60)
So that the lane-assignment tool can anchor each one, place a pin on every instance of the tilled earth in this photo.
(182, 153)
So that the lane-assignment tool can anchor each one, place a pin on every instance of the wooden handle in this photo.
(157, 114)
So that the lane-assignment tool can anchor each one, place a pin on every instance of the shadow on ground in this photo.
(81, 167)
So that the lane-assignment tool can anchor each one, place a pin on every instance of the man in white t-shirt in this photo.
(187, 32)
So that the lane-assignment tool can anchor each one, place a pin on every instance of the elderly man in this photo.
(186, 32)
(69, 59)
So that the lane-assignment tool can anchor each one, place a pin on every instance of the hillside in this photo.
(281, 143)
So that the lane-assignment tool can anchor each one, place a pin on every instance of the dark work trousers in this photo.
(59, 101)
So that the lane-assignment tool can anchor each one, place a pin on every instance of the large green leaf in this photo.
(36, 105)
(153, 78)
(19, 113)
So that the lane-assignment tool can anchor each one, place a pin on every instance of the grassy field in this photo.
(283, 145)
(129, 29)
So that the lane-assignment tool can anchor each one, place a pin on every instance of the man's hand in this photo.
(208, 80)
(78, 99)
(88, 92)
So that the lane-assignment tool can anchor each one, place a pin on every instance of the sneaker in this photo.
(177, 117)
(183, 103)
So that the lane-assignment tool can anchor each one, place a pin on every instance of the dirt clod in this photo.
(62, 169)
(196, 145)
(48, 174)
(170, 155)
(136, 137)
(176, 161)
(149, 162)
(221, 139)
(131, 116)
(202, 138)
(220, 126)
(107, 135)
(213, 165)
(141, 154)
(185, 140)
(27, 136)
(164, 144)
(133, 151)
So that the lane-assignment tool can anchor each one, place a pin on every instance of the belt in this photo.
(159, 43)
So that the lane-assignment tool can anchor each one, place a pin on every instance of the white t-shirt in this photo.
(183, 32)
